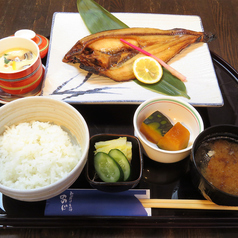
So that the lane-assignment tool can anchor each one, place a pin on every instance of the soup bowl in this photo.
(212, 173)
(24, 80)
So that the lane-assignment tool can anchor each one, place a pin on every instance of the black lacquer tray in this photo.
(165, 181)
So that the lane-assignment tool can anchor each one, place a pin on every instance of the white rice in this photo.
(36, 154)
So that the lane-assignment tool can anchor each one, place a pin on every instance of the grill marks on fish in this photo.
(103, 53)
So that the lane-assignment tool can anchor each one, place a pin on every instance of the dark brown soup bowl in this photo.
(200, 157)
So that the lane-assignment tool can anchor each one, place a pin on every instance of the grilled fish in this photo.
(103, 53)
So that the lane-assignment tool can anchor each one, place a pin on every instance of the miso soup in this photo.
(218, 161)
(16, 59)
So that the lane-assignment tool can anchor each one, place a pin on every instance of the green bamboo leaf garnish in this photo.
(97, 18)
(168, 85)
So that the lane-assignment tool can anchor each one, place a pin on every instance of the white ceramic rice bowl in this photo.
(46, 110)
(176, 110)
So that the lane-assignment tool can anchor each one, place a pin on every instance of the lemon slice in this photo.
(147, 70)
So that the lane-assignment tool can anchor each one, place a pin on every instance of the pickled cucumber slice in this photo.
(107, 168)
(121, 159)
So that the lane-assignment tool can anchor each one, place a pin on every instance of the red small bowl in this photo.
(43, 44)
(25, 80)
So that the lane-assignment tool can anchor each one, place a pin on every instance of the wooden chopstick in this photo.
(184, 204)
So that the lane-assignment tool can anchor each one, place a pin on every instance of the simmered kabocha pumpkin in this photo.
(155, 126)
(176, 138)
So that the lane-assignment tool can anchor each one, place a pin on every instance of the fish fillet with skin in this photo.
(103, 53)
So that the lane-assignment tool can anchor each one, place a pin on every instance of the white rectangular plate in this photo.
(69, 83)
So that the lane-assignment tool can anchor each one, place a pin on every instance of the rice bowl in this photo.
(50, 112)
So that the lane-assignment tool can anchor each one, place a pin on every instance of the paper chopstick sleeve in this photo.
(94, 203)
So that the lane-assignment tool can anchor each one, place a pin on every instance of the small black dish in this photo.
(208, 190)
(136, 165)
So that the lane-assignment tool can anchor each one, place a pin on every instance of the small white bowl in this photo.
(25, 33)
(47, 110)
(175, 110)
